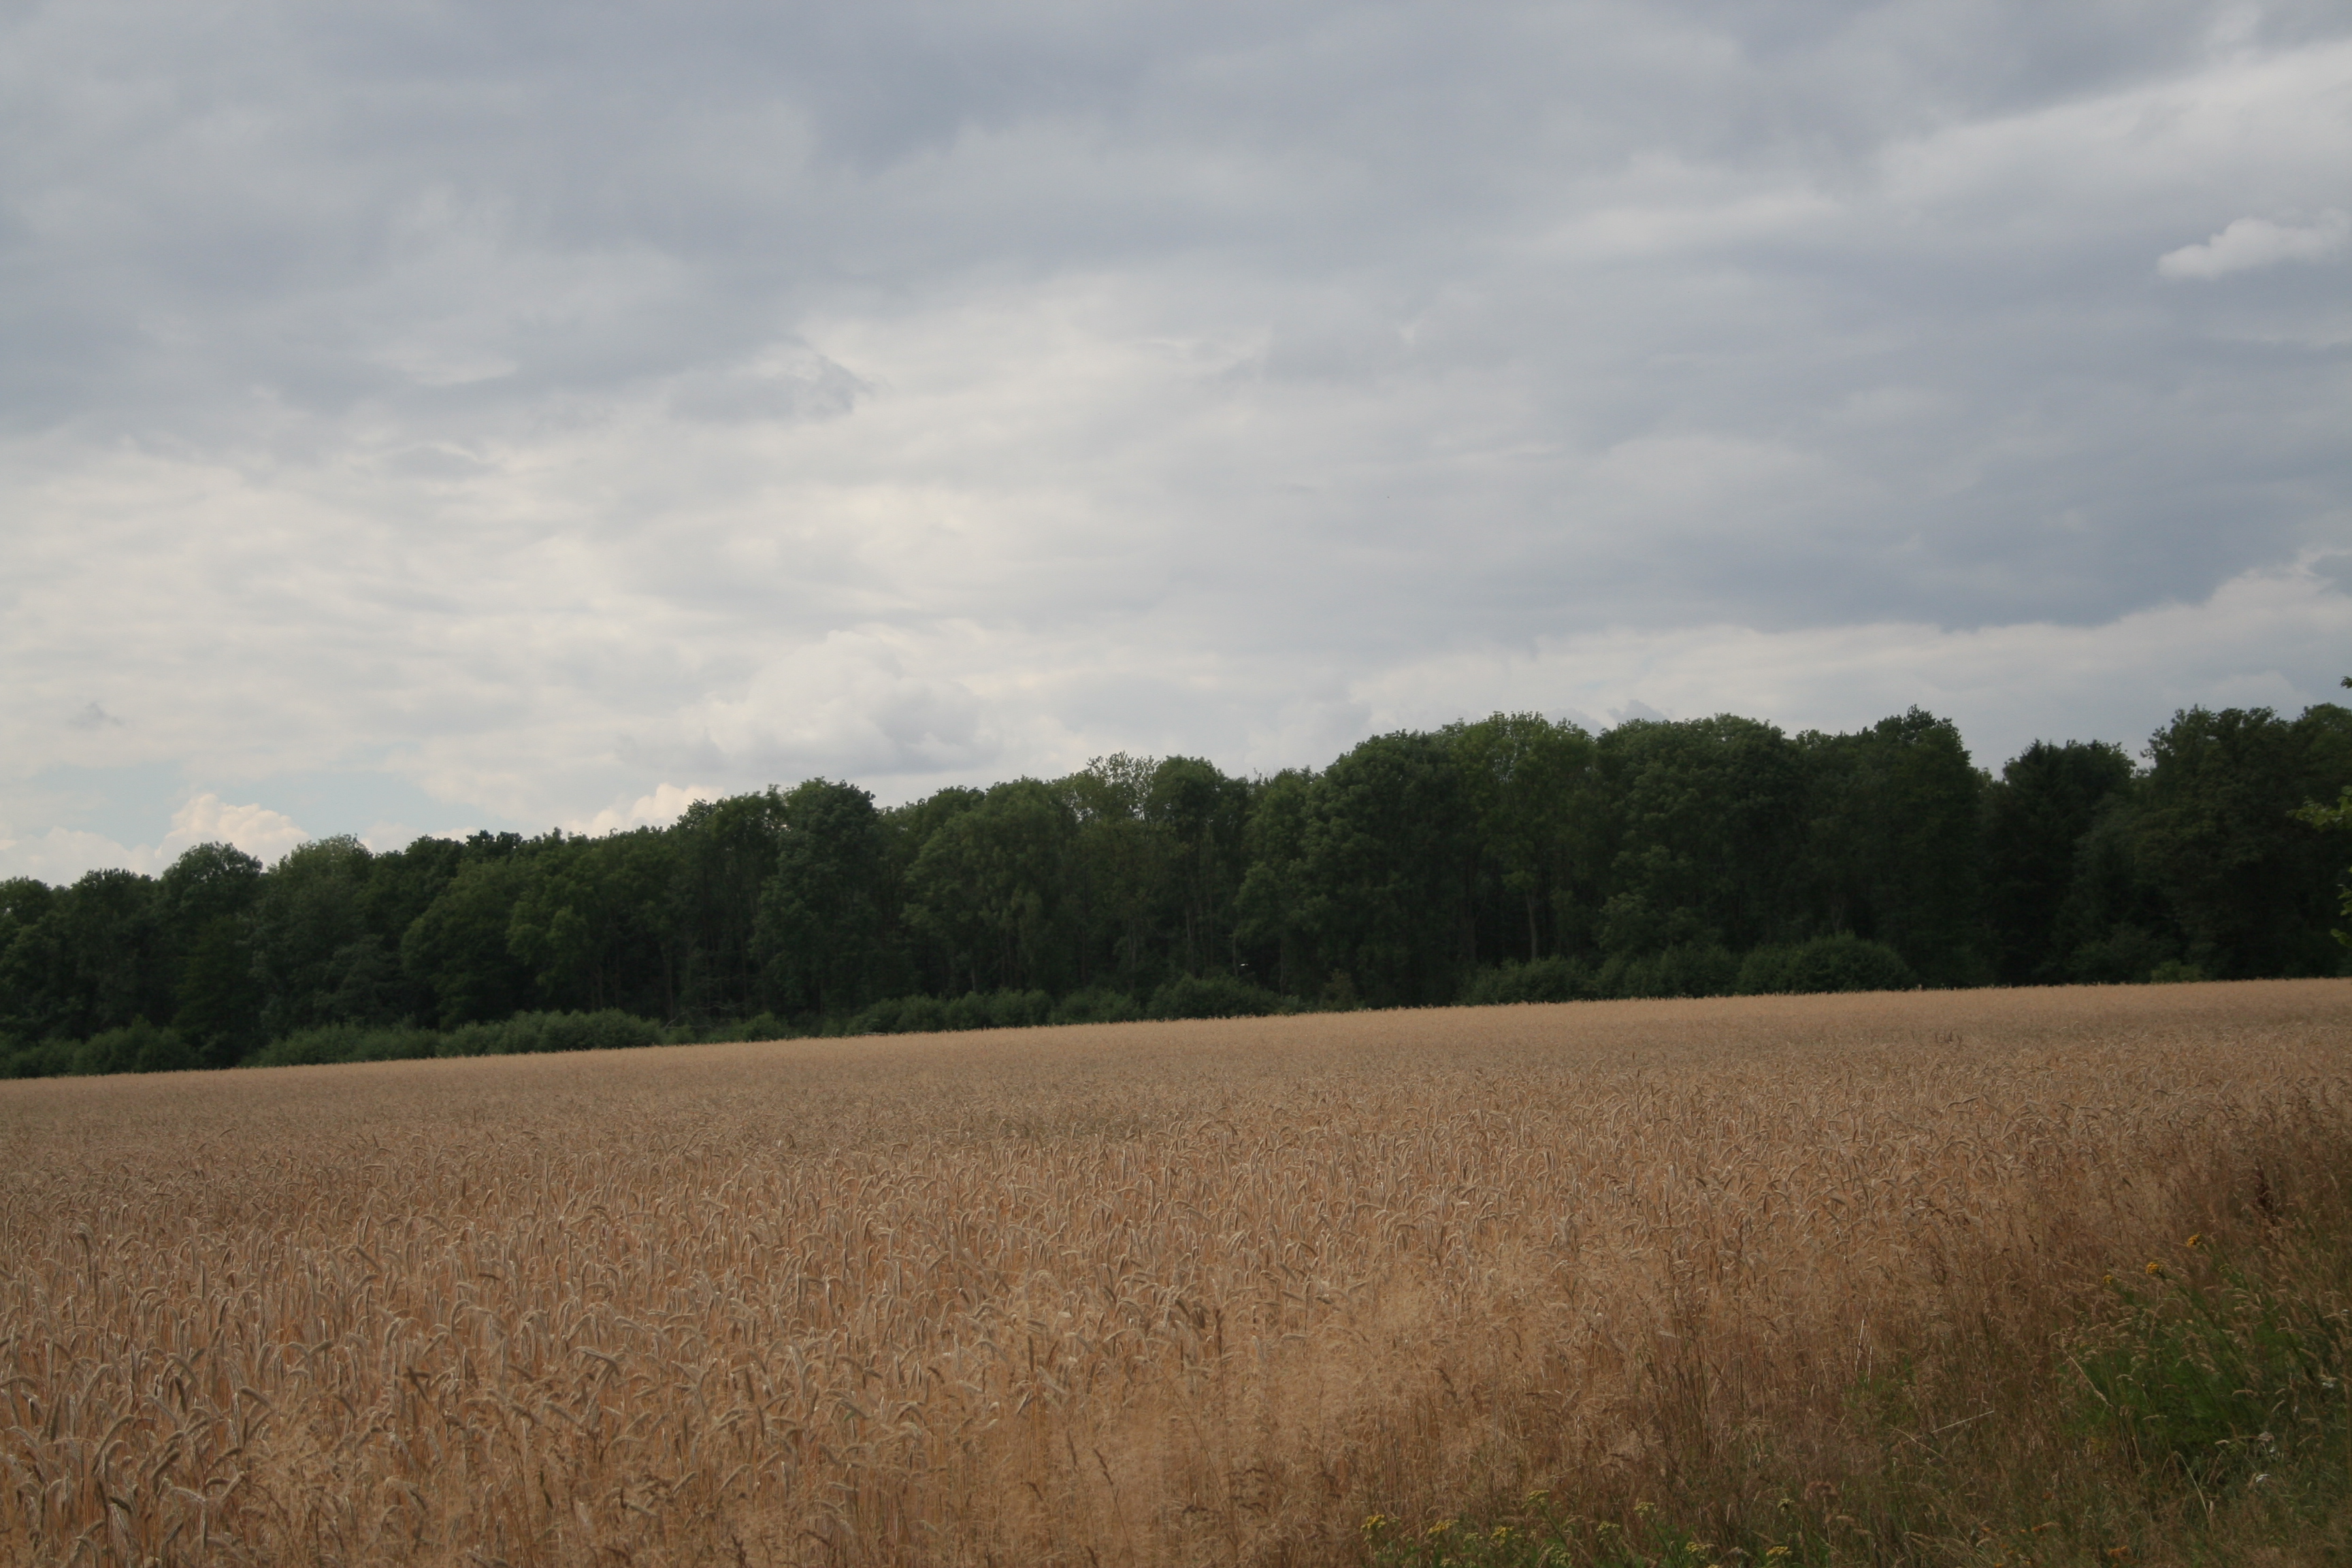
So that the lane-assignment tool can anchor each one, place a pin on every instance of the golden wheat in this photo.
(1125, 1294)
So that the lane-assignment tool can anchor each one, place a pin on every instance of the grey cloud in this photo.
(520, 377)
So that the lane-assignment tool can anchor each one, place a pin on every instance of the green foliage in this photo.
(523, 1034)
(461, 948)
(2200, 1411)
(1512, 858)
(1527, 781)
(2203, 1364)
(989, 886)
(1211, 997)
(1893, 851)
(1544, 980)
(921, 1014)
(1097, 1004)
(823, 930)
(1686, 969)
(1386, 867)
(2248, 883)
(1839, 962)
(2047, 799)
(329, 1043)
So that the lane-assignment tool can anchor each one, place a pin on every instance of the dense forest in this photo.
(1512, 858)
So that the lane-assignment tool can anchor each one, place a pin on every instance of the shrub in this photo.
(1097, 1004)
(900, 1016)
(50, 1058)
(2125, 956)
(348, 1043)
(1693, 969)
(1211, 997)
(1839, 962)
(1018, 1009)
(138, 1046)
(609, 1030)
(1554, 979)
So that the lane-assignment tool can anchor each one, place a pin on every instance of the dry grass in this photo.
(1127, 1294)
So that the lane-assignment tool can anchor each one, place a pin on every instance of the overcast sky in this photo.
(418, 417)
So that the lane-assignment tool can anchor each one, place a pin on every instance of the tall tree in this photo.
(460, 946)
(1896, 813)
(1387, 850)
(726, 858)
(1119, 866)
(1525, 779)
(2250, 884)
(1706, 821)
(2035, 817)
(1201, 813)
(208, 896)
(989, 886)
(825, 926)
(1271, 907)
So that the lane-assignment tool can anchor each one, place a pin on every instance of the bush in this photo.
(2125, 956)
(1693, 969)
(1018, 1009)
(1211, 997)
(1097, 1004)
(50, 1058)
(333, 1043)
(899, 1015)
(1840, 963)
(1555, 979)
(610, 1030)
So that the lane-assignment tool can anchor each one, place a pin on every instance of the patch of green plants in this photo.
(2200, 1411)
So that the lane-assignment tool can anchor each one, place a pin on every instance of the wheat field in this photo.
(1132, 1294)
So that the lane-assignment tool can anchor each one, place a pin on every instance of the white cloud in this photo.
(2253, 242)
(2273, 639)
(62, 855)
(1223, 380)
(264, 833)
(664, 805)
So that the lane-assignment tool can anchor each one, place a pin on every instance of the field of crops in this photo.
(1145, 1294)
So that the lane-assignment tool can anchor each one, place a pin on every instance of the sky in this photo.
(421, 418)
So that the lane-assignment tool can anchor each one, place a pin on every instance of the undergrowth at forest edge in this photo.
(2200, 1411)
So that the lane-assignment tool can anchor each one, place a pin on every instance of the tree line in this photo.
(1510, 857)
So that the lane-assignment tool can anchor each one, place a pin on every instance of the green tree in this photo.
(824, 923)
(1271, 905)
(29, 959)
(2251, 883)
(1705, 820)
(1525, 779)
(1894, 813)
(1200, 813)
(309, 924)
(208, 896)
(989, 886)
(459, 948)
(2036, 817)
(726, 858)
(1120, 865)
(1386, 870)
(590, 922)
